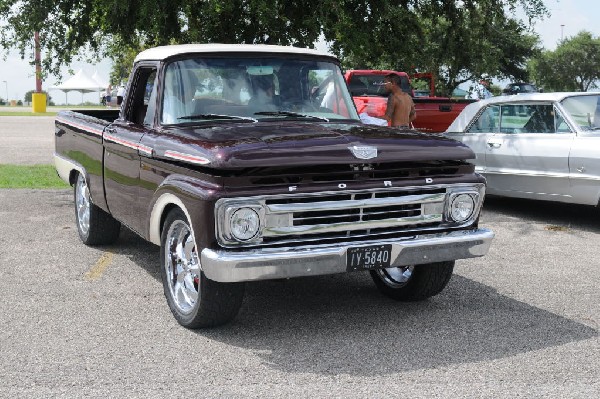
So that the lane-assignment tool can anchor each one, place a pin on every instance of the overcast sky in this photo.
(567, 19)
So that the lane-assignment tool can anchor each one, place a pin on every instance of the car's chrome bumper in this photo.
(275, 263)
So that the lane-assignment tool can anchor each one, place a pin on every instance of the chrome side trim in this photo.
(521, 173)
(275, 263)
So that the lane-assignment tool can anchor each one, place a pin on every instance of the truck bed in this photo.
(79, 139)
(108, 115)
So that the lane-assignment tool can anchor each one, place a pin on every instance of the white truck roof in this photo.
(163, 52)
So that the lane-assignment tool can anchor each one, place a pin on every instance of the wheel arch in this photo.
(164, 204)
(68, 169)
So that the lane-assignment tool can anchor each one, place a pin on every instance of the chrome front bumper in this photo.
(275, 263)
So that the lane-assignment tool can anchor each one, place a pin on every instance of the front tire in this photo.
(194, 300)
(95, 226)
(413, 283)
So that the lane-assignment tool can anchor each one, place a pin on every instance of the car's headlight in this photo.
(244, 224)
(463, 204)
(461, 207)
(239, 222)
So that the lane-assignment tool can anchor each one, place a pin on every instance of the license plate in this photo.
(367, 258)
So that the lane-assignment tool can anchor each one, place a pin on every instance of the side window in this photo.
(143, 96)
(539, 118)
(487, 122)
(561, 125)
(514, 117)
(150, 98)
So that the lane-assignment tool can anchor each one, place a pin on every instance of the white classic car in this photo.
(542, 146)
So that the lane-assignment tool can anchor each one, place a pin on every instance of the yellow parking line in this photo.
(101, 265)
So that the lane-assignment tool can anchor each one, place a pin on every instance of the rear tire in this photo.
(95, 226)
(413, 283)
(194, 300)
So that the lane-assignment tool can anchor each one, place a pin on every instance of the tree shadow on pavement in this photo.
(341, 324)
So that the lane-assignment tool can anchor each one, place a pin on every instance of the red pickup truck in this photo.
(434, 114)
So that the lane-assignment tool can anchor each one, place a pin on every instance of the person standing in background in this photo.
(120, 94)
(400, 110)
(107, 95)
(480, 91)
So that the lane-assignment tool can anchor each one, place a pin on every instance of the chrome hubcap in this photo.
(82, 202)
(396, 277)
(182, 267)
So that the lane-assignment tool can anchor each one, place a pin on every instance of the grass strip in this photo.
(30, 176)
(24, 113)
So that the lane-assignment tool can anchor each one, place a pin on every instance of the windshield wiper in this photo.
(291, 114)
(218, 116)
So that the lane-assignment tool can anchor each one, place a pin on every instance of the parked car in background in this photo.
(539, 145)
(434, 114)
(519, 88)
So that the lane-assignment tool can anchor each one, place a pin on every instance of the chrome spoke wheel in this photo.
(82, 202)
(182, 267)
(396, 277)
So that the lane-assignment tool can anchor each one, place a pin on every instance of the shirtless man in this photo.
(400, 107)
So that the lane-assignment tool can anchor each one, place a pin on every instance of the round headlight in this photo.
(244, 224)
(462, 207)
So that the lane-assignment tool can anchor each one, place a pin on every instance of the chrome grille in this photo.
(337, 216)
(333, 217)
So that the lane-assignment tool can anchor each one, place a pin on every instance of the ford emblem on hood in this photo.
(363, 152)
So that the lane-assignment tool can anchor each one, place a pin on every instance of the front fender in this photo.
(195, 197)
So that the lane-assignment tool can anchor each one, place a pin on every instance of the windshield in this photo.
(251, 88)
(372, 85)
(584, 110)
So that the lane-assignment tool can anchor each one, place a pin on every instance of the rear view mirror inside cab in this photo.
(259, 70)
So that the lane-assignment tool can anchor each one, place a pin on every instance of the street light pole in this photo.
(6, 84)
(562, 28)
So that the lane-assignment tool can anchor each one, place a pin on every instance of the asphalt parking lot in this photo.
(77, 321)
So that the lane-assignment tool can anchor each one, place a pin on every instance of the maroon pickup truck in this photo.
(434, 114)
(247, 163)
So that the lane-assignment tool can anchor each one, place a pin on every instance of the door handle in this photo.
(494, 144)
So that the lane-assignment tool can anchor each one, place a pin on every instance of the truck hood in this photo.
(263, 144)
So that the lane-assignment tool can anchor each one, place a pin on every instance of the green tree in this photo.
(29, 95)
(457, 40)
(573, 66)
(68, 28)
(122, 56)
